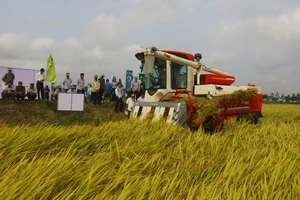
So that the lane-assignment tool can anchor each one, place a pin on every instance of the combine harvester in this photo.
(178, 93)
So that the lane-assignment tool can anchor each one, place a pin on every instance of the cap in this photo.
(135, 77)
(42, 69)
(95, 75)
(81, 73)
(114, 77)
(133, 95)
(59, 86)
(107, 79)
(9, 69)
(72, 86)
(3, 76)
(67, 73)
(103, 75)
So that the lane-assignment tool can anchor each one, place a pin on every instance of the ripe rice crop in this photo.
(143, 160)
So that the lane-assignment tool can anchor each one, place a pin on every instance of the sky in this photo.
(256, 41)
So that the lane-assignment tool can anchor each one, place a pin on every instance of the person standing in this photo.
(40, 78)
(114, 85)
(119, 99)
(9, 77)
(95, 89)
(80, 86)
(107, 94)
(102, 87)
(67, 82)
(129, 104)
(136, 87)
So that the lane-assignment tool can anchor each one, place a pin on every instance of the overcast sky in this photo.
(257, 41)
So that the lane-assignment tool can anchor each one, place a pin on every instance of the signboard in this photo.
(129, 75)
(70, 102)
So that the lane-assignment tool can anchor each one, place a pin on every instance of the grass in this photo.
(134, 160)
(45, 112)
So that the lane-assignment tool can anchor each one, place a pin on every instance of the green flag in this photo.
(50, 71)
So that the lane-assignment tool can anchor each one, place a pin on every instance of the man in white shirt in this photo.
(40, 78)
(129, 104)
(141, 98)
(80, 84)
(9, 91)
(119, 100)
(67, 82)
(95, 90)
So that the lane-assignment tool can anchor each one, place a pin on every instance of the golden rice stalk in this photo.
(211, 107)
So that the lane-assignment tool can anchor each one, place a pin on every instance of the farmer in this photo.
(95, 90)
(119, 99)
(20, 91)
(9, 77)
(114, 85)
(9, 91)
(40, 78)
(57, 91)
(67, 82)
(31, 92)
(129, 104)
(102, 87)
(136, 87)
(72, 90)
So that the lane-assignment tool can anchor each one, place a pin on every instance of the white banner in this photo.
(27, 76)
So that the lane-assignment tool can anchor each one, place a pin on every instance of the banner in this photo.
(50, 70)
(128, 78)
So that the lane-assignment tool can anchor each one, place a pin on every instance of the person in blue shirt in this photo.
(107, 93)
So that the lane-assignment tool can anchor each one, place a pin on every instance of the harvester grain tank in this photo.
(178, 91)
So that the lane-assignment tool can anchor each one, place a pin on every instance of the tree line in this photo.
(277, 98)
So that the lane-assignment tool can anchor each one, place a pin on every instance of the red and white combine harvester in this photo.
(173, 83)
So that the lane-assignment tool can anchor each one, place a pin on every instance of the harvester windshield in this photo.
(155, 74)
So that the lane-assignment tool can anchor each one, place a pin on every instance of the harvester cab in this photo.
(173, 80)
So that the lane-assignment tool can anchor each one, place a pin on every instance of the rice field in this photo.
(134, 160)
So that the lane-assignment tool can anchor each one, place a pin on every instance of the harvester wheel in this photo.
(255, 118)
(249, 117)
